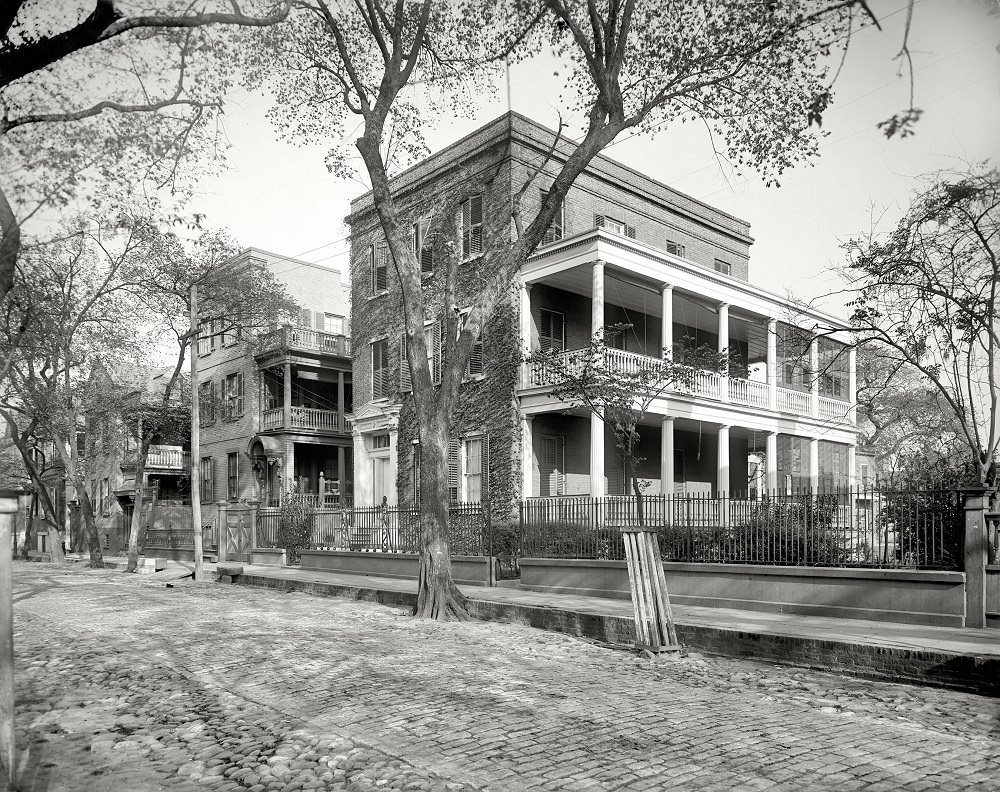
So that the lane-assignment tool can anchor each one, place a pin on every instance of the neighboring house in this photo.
(625, 248)
(109, 457)
(273, 407)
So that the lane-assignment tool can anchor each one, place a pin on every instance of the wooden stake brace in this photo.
(654, 621)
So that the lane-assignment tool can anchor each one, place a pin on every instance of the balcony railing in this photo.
(708, 384)
(304, 339)
(305, 418)
(161, 457)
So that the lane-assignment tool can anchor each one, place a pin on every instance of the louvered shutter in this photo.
(598, 221)
(452, 469)
(435, 347)
(239, 393)
(405, 379)
(629, 231)
(422, 248)
(476, 358)
(472, 226)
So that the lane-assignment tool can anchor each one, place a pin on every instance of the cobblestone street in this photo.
(125, 684)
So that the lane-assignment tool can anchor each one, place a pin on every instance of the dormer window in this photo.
(614, 226)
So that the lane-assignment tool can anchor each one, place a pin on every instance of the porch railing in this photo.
(163, 457)
(289, 337)
(708, 384)
(852, 528)
(304, 418)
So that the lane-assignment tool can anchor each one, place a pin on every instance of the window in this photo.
(432, 341)
(229, 330)
(233, 396)
(472, 469)
(551, 330)
(834, 369)
(206, 336)
(380, 266)
(206, 403)
(555, 231)
(305, 318)
(864, 476)
(207, 480)
(614, 226)
(380, 441)
(233, 476)
(423, 248)
(470, 223)
(675, 248)
(723, 267)
(333, 324)
(380, 368)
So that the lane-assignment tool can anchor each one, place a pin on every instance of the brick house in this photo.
(273, 407)
(626, 249)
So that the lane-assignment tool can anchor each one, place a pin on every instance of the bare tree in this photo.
(926, 295)
(756, 76)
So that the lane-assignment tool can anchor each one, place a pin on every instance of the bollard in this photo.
(8, 513)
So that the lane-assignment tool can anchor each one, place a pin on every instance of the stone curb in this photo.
(968, 673)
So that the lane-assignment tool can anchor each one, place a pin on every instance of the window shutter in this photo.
(405, 379)
(436, 347)
(305, 318)
(598, 221)
(629, 231)
(422, 248)
(319, 322)
(472, 226)
(476, 358)
(555, 231)
(452, 469)
(426, 259)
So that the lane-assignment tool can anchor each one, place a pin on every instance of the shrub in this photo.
(295, 524)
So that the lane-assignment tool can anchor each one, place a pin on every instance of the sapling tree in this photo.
(619, 389)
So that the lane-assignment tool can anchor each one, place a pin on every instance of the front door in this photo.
(380, 479)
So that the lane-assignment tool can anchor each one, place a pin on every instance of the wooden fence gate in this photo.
(239, 535)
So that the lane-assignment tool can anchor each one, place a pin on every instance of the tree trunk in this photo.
(437, 595)
(140, 480)
(90, 525)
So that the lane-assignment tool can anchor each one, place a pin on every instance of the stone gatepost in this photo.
(222, 507)
(976, 555)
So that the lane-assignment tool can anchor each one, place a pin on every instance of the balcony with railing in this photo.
(705, 384)
(304, 340)
(304, 419)
(167, 458)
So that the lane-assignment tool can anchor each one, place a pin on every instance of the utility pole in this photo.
(199, 561)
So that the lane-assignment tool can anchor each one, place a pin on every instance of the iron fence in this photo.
(850, 528)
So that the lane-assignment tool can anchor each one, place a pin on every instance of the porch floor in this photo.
(954, 657)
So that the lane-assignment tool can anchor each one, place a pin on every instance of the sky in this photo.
(279, 196)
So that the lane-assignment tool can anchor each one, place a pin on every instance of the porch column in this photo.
(771, 463)
(772, 366)
(814, 464)
(596, 456)
(597, 302)
(527, 457)
(286, 401)
(852, 467)
(342, 471)
(722, 480)
(340, 402)
(524, 301)
(667, 321)
(362, 473)
(814, 371)
(852, 386)
(667, 455)
(723, 347)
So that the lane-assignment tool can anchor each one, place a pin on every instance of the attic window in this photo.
(723, 267)
(614, 226)
(675, 248)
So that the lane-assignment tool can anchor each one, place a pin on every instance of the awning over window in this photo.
(266, 446)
